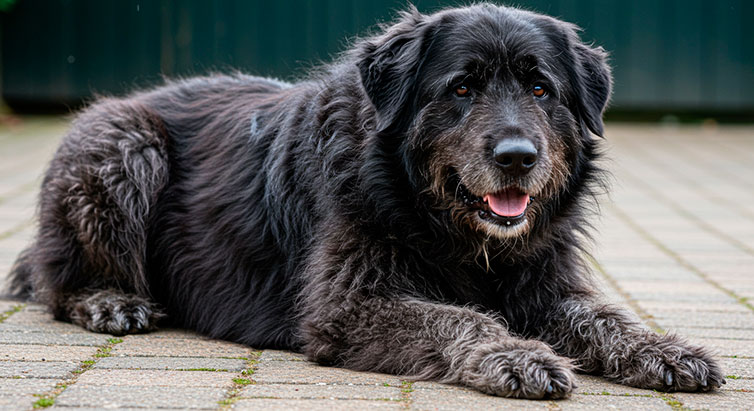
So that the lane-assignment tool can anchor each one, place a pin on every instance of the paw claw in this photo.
(668, 378)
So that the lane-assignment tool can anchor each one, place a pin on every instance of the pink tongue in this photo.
(507, 203)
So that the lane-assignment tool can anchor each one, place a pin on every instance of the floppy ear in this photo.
(389, 64)
(593, 85)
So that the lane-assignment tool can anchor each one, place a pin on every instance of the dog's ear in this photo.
(593, 85)
(389, 64)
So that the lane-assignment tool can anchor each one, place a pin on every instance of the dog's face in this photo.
(493, 104)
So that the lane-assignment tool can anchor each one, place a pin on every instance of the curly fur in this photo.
(327, 216)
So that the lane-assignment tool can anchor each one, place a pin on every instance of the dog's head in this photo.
(493, 107)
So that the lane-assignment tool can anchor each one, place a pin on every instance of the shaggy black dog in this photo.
(414, 208)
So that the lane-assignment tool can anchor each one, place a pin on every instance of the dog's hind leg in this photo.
(89, 259)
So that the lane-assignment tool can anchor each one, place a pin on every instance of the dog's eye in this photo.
(538, 91)
(462, 90)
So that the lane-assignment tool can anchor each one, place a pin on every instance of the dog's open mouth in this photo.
(506, 207)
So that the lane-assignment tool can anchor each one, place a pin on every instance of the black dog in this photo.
(414, 208)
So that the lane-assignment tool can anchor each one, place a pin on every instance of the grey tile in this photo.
(453, 400)
(25, 386)
(612, 402)
(263, 404)
(155, 397)
(156, 378)
(37, 369)
(299, 372)
(719, 400)
(322, 391)
(29, 352)
(46, 338)
(178, 347)
(171, 363)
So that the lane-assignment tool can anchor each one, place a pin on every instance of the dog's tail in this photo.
(19, 285)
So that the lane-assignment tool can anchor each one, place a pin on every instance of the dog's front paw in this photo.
(668, 363)
(116, 313)
(526, 370)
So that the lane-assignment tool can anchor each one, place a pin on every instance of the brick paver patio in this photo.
(675, 243)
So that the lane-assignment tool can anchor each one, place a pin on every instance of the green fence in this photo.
(667, 55)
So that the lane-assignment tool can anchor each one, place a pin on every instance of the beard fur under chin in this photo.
(504, 232)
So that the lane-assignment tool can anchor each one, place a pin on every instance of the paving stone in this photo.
(171, 347)
(322, 391)
(25, 386)
(299, 372)
(645, 272)
(454, 400)
(276, 355)
(665, 307)
(28, 352)
(162, 407)
(739, 348)
(722, 333)
(169, 333)
(314, 405)
(431, 385)
(34, 307)
(37, 369)
(171, 363)
(16, 402)
(52, 339)
(689, 287)
(33, 320)
(742, 384)
(712, 320)
(612, 402)
(51, 327)
(587, 384)
(157, 397)
(719, 400)
(661, 295)
(741, 367)
(156, 378)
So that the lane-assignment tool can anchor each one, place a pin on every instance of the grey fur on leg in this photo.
(112, 312)
(428, 341)
(607, 339)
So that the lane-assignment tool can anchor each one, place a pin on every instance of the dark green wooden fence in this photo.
(667, 54)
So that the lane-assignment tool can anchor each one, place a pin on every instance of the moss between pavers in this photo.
(16, 308)
(672, 401)
(407, 387)
(733, 377)
(240, 382)
(44, 402)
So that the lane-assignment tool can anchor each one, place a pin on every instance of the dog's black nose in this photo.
(516, 156)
